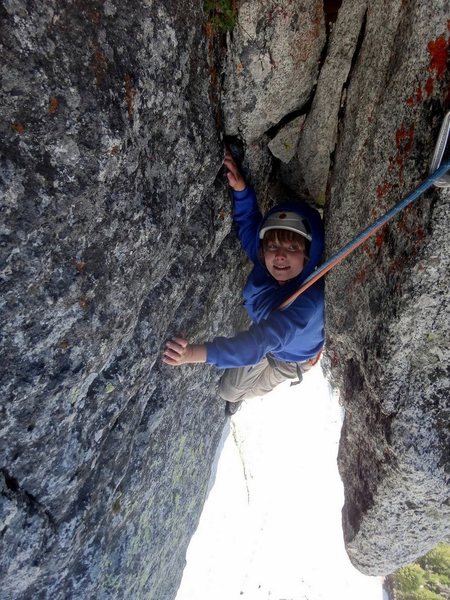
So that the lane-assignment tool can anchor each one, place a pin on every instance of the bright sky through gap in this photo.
(271, 526)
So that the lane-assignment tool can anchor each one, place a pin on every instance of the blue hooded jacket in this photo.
(294, 334)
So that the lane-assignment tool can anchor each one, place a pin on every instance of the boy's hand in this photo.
(235, 179)
(178, 351)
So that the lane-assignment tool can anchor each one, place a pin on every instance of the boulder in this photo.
(284, 145)
(272, 64)
(319, 134)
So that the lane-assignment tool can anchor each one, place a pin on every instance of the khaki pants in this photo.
(257, 380)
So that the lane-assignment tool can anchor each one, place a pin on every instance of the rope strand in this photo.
(366, 234)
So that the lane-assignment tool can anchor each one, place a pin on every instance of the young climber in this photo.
(285, 247)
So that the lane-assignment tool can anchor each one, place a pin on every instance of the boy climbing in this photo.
(285, 247)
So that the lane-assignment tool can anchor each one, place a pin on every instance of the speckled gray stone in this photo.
(272, 65)
(113, 237)
(284, 144)
(319, 134)
(388, 305)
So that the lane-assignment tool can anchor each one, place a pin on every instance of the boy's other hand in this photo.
(178, 351)
(235, 179)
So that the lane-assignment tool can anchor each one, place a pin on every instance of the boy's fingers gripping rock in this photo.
(180, 341)
(231, 165)
(175, 351)
(235, 179)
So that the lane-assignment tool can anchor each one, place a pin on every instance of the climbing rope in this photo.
(366, 234)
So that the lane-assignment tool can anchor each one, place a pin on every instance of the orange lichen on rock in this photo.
(366, 248)
(429, 86)
(420, 234)
(438, 50)
(209, 30)
(53, 105)
(79, 265)
(100, 65)
(404, 139)
(419, 95)
(18, 128)
(83, 302)
(402, 225)
(130, 93)
(383, 189)
(415, 98)
(379, 239)
(360, 276)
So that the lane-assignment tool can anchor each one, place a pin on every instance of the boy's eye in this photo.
(290, 248)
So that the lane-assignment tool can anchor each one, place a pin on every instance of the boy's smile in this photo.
(284, 260)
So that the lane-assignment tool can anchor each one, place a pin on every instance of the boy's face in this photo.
(284, 259)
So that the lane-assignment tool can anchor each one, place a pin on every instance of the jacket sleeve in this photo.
(247, 218)
(271, 335)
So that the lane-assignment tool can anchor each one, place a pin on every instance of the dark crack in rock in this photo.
(319, 134)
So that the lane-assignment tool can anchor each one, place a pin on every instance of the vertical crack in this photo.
(343, 105)
(330, 10)
(242, 459)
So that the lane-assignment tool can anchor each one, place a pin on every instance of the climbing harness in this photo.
(438, 177)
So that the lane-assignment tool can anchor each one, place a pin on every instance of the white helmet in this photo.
(284, 220)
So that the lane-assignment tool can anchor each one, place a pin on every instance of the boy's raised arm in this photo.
(178, 351)
(245, 211)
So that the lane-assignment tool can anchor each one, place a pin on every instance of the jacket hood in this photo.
(314, 225)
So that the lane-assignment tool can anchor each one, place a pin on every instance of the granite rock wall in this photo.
(272, 66)
(113, 237)
(388, 305)
(116, 233)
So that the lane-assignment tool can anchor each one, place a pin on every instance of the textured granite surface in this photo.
(272, 66)
(388, 306)
(115, 235)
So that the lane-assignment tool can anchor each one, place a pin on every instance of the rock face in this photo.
(115, 223)
(388, 306)
(284, 144)
(319, 134)
(113, 238)
(273, 62)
